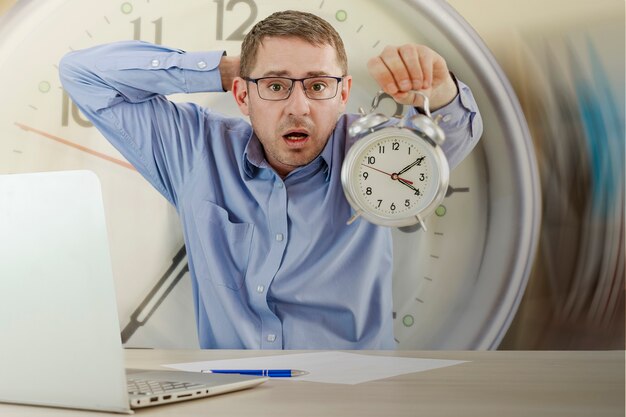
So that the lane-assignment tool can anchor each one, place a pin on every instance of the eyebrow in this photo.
(286, 74)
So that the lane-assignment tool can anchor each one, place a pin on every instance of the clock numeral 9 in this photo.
(240, 32)
(365, 175)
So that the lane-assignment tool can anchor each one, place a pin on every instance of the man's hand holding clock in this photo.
(402, 70)
(405, 73)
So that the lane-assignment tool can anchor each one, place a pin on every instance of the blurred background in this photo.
(565, 60)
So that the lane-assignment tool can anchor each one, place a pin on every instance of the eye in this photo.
(318, 86)
(275, 87)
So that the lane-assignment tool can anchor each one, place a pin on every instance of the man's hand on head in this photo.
(229, 69)
(401, 70)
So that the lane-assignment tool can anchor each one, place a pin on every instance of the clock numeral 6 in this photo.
(392, 207)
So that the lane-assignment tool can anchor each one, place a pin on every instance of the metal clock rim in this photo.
(349, 187)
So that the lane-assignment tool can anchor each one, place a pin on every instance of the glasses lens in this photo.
(274, 88)
(320, 88)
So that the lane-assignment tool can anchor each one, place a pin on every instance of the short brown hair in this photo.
(291, 23)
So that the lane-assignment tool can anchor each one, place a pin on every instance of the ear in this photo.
(346, 85)
(240, 92)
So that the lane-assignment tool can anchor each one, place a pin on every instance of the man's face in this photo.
(294, 131)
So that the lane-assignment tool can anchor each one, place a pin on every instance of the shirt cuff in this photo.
(455, 114)
(201, 71)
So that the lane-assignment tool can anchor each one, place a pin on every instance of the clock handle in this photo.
(381, 94)
(426, 105)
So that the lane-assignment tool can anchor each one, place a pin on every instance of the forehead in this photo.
(294, 57)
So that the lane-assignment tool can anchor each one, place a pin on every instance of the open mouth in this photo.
(296, 137)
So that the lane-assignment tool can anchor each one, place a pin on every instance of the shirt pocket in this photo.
(225, 245)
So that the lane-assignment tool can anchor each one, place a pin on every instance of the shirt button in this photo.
(271, 337)
(446, 118)
(280, 184)
(260, 289)
(202, 65)
(155, 63)
(279, 237)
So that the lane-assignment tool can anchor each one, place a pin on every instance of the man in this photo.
(272, 261)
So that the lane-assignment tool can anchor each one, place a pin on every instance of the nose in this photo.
(298, 102)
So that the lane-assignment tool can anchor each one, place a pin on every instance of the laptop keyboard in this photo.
(147, 387)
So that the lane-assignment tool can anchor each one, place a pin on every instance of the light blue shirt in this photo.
(272, 262)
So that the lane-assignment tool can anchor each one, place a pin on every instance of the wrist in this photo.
(445, 93)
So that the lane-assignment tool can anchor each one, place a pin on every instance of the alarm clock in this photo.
(396, 174)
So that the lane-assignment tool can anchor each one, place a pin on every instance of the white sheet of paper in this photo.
(328, 367)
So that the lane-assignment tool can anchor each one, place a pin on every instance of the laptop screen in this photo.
(58, 317)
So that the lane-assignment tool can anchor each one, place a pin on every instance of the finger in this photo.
(394, 63)
(426, 63)
(411, 58)
(380, 73)
(411, 98)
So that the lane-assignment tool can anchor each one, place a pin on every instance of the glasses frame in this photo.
(293, 82)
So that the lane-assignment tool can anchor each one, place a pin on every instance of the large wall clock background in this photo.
(487, 257)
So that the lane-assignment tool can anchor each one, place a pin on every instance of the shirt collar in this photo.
(254, 157)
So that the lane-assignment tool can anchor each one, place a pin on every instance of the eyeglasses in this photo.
(322, 87)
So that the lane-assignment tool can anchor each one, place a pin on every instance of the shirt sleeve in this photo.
(121, 88)
(461, 122)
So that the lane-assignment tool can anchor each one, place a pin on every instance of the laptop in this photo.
(60, 333)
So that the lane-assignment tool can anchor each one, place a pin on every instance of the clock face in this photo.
(392, 176)
(456, 286)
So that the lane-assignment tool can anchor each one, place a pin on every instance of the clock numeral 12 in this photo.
(240, 32)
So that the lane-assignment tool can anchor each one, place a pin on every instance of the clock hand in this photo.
(403, 182)
(75, 145)
(393, 176)
(418, 161)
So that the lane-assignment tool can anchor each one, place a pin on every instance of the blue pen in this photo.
(273, 373)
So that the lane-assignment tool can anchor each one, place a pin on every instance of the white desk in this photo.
(494, 383)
